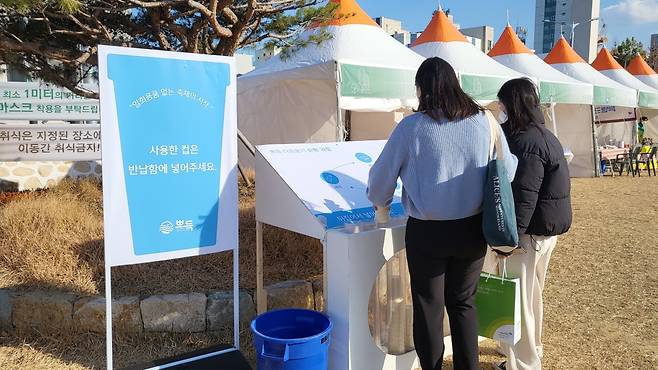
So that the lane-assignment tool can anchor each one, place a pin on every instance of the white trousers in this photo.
(531, 268)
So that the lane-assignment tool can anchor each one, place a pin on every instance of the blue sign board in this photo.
(170, 115)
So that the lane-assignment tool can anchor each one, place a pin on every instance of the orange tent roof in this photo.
(440, 29)
(563, 53)
(605, 61)
(639, 67)
(509, 43)
(349, 12)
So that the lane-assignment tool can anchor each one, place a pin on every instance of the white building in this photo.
(394, 28)
(391, 26)
(264, 54)
(403, 37)
(554, 18)
(11, 74)
(244, 63)
(484, 33)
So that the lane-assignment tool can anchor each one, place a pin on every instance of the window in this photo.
(16, 75)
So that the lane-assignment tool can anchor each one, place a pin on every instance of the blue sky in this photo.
(623, 18)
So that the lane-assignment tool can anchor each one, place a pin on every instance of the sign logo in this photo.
(166, 227)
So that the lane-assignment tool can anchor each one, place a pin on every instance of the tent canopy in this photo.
(303, 96)
(639, 68)
(480, 76)
(609, 67)
(374, 71)
(606, 91)
(554, 86)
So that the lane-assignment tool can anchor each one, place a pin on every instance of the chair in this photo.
(648, 160)
(628, 160)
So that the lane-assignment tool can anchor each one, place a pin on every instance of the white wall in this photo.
(244, 63)
(574, 130)
(613, 133)
(374, 126)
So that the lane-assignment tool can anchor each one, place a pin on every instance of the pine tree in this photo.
(627, 50)
(57, 40)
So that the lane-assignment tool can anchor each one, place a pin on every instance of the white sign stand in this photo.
(121, 245)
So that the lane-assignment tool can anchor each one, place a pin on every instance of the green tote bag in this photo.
(498, 300)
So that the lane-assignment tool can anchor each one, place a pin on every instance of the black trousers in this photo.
(445, 260)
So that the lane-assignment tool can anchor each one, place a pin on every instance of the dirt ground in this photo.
(600, 299)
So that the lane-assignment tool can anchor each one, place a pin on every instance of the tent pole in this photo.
(636, 129)
(597, 163)
(251, 149)
(340, 125)
(554, 119)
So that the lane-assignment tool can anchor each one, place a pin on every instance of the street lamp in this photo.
(574, 25)
(556, 22)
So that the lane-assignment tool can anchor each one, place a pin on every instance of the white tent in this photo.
(606, 91)
(608, 94)
(480, 76)
(639, 68)
(568, 99)
(647, 98)
(609, 67)
(355, 85)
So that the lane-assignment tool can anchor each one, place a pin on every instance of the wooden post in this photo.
(261, 299)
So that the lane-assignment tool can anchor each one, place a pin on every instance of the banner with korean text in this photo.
(40, 101)
(59, 142)
(169, 154)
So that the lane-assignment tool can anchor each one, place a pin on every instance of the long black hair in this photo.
(519, 96)
(440, 93)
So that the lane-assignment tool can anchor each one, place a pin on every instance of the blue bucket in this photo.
(292, 339)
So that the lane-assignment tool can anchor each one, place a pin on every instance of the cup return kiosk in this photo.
(318, 190)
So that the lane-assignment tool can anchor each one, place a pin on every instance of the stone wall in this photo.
(19, 176)
(54, 312)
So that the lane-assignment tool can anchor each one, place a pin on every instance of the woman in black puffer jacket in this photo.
(542, 190)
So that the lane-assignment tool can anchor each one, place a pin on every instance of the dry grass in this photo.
(54, 240)
(88, 351)
(601, 294)
(602, 289)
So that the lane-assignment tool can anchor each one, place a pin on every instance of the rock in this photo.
(45, 170)
(89, 314)
(179, 313)
(318, 295)
(290, 294)
(5, 310)
(63, 168)
(8, 185)
(47, 311)
(51, 183)
(219, 313)
(82, 167)
(98, 169)
(23, 171)
(4, 172)
(33, 183)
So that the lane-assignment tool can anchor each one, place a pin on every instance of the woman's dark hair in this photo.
(519, 96)
(440, 93)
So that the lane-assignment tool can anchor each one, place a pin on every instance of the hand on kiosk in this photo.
(382, 215)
